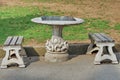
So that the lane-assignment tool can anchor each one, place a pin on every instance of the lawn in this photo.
(16, 20)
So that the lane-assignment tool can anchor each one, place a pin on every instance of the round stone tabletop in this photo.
(57, 20)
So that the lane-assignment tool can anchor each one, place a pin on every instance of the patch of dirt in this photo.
(104, 9)
(33, 42)
(108, 10)
(10, 2)
(115, 35)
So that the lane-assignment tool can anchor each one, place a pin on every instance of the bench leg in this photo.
(100, 56)
(5, 60)
(90, 47)
(112, 55)
(23, 53)
(9, 60)
(20, 60)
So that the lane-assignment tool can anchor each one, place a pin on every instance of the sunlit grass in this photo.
(17, 21)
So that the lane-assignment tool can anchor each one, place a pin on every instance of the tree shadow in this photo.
(76, 49)
(32, 55)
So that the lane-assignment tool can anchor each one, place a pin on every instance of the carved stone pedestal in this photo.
(56, 50)
(58, 57)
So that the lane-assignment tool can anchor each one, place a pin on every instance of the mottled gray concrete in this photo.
(77, 68)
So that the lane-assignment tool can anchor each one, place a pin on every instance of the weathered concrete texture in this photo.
(78, 68)
(56, 57)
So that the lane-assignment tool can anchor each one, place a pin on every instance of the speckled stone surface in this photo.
(77, 68)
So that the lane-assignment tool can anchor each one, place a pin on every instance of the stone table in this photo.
(57, 48)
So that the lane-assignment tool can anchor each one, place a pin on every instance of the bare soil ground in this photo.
(103, 9)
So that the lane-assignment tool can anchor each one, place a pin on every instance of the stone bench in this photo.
(14, 51)
(101, 42)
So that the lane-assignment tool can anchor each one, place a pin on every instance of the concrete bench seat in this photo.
(14, 51)
(102, 42)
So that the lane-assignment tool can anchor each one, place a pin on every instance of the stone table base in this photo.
(56, 57)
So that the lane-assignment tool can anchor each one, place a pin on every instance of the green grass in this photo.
(80, 32)
(117, 27)
(17, 21)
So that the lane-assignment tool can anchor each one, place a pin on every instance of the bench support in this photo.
(13, 55)
(103, 44)
(100, 56)
(91, 48)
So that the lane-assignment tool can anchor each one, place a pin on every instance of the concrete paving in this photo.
(78, 68)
